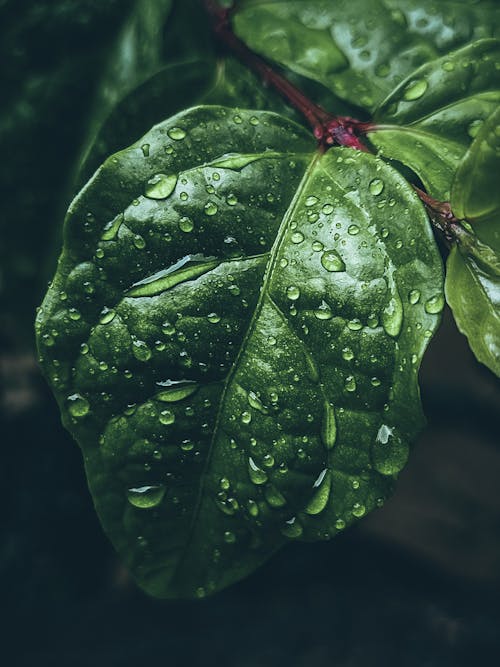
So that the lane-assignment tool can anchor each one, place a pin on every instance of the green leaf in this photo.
(476, 195)
(428, 121)
(473, 294)
(233, 336)
(361, 49)
(473, 276)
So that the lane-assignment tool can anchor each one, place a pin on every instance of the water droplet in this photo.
(347, 354)
(107, 316)
(176, 133)
(213, 318)
(292, 528)
(414, 296)
(323, 312)
(317, 246)
(376, 186)
(332, 261)
(111, 229)
(210, 208)
(160, 186)
(246, 417)
(355, 325)
(392, 315)
(350, 384)
(256, 403)
(327, 209)
(139, 242)
(293, 292)
(320, 499)
(186, 225)
(448, 66)
(254, 120)
(140, 350)
(78, 406)
(297, 237)
(231, 200)
(74, 314)
(415, 89)
(435, 304)
(256, 474)
(273, 497)
(329, 427)
(145, 150)
(167, 417)
(340, 524)
(175, 390)
(229, 537)
(253, 508)
(311, 201)
(353, 230)
(358, 510)
(146, 497)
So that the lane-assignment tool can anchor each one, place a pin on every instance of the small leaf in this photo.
(244, 352)
(430, 119)
(473, 276)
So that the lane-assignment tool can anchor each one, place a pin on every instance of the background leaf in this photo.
(429, 120)
(233, 335)
(361, 49)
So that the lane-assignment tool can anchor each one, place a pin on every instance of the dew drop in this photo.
(353, 230)
(160, 186)
(435, 304)
(311, 201)
(332, 261)
(210, 208)
(320, 498)
(231, 200)
(256, 474)
(78, 406)
(414, 296)
(323, 312)
(167, 417)
(273, 497)
(415, 89)
(107, 316)
(146, 497)
(350, 384)
(376, 186)
(255, 402)
(293, 292)
(176, 133)
(292, 529)
(186, 224)
(297, 237)
(213, 318)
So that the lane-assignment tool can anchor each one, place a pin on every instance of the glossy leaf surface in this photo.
(473, 277)
(362, 49)
(430, 119)
(233, 335)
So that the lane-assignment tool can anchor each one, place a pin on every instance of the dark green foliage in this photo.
(237, 320)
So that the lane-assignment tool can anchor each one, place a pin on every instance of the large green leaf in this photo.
(233, 336)
(361, 49)
(428, 121)
(473, 276)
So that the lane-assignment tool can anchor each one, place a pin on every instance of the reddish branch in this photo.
(328, 129)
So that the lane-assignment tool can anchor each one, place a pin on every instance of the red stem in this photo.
(327, 128)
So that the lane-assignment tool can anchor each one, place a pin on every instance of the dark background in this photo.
(416, 584)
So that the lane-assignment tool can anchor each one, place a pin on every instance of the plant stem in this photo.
(327, 128)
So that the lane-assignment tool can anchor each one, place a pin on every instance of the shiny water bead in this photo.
(146, 497)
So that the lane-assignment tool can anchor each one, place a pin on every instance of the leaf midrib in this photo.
(263, 293)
